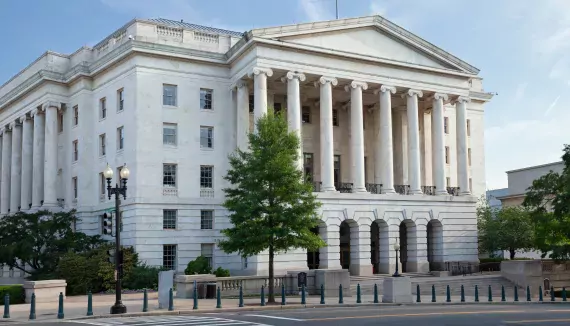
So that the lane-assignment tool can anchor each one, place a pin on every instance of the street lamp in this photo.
(118, 190)
(396, 248)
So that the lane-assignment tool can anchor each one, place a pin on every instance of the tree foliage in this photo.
(507, 228)
(548, 199)
(271, 206)
(34, 242)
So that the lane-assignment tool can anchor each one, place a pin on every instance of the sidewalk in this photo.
(76, 307)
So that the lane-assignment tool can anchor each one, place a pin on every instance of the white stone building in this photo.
(392, 131)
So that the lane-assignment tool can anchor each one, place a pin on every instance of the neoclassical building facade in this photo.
(391, 129)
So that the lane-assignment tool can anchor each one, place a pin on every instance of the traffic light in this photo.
(107, 224)
(111, 256)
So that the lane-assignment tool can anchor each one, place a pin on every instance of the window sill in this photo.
(102, 119)
(74, 162)
(120, 111)
(164, 106)
(207, 149)
(74, 126)
(169, 146)
(206, 110)
(120, 151)
(102, 157)
(206, 193)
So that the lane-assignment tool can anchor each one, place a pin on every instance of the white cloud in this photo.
(172, 9)
(315, 10)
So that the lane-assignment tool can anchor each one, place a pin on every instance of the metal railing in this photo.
(402, 189)
(374, 188)
(428, 190)
(454, 191)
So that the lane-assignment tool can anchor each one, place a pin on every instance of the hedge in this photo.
(16, 292)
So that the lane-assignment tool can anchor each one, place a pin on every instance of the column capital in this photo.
(440, 96)
(51, 104)
(15, 123)
(413, 92)
(239, 84)
(461, 99)
(325, 79)
(385, 88)
(23, 118)
(294, 75)
(260, 70)
(36, 111)
(356, 84)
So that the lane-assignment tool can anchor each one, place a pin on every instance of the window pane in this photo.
(206, 137)
(169, 95)
(206, 219)
(169, 134)
(208, 252)
(169, 219)
(206, 178)
(169, 257)
(169, 175)
(206, 99)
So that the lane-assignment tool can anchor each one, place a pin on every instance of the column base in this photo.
(441, 193)
(415, 192)
(466, 193)
(333, 189)
(359, 190)
(389, 191)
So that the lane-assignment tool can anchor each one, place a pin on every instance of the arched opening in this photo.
(313, 257)
(345, 245)
(380, 247)
(435, 245)
(408, 246)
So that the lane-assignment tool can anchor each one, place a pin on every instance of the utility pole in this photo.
(336, 6)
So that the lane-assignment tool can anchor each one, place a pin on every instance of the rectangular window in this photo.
(336, 170)
(75, 115)
(251, 103)
(102, 108)
(75, 151)
(169, 257)
(102, 145)
(169, 134)
(309, 166)
(446, 125)
(448, 181)
(206, 137)
(120, 138)
(169, 95)
(446, 154)
(169, 219)
(277, 108)
(102, 184)
(335, 117)
(60, 122)
(120, 100)
(169, 175)
(468, 128)
(469, 156)
(74, 186)
(206, 177)
(306, 114)
(206, 219)
(208, 252)
(206, 99)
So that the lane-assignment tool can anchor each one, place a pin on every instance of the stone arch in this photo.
(348, 233)
(313, 256)
(435, 245)
(380, 247)
(408, 246)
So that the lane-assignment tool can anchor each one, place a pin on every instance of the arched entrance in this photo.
(408, 246)
(345, 245)
(379, 247)
(313, 257)
(435, 245)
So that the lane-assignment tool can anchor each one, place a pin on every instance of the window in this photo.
(102, 150)
(470, 185)
(169, 131)
(74, 186)
(169, 175)
(169, 257)
(75, 115)
(206, 177)
(206, 137)
(102, 108)
(120, 100)
(446, 154)
(169, 219)
(243, 262)
(102, 184)
(120, 138)
(205, 99)
(468, 128)
(308, 166)
(169, 95)
(306, 114)
(251, 103)
(336, 170)
(335, 117)
(469, 156)
(277, 108)
(446, 125)
(208, 252)
(448, 182)
(60, 122)
(75, 151)
(206, 219)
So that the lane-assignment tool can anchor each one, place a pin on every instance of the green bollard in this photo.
(170, 300)
(195, 296)
(6, 306)
(528, 293)
(283, 302)
(433, 299)
(552, 294)
(503, 298)
(240, 297)
(218, 299)
(90, 303)
(145, 301)
(375, 293)
(462, 293)
(33, 307)
(418, 296)
(563, 294)
(340, 299)
(322, 294)
(60, 314)
(540, 298)
(448, 294)
(490, 295)
(476, 293)
(303, 296)
(516, 294)
(262, 297)
(358, 294)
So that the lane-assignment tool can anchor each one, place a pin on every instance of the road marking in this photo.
(165, 321)
(422, 314)
(276, 317)
(536, 321)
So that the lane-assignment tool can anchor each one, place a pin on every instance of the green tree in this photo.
(548, 199)
(270, 205)
(507, 228)
(34, 242)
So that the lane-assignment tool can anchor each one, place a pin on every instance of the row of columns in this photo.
(384, 154)
(29, 161)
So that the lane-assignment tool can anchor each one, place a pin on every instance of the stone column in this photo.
(242, 127)
(38, 158)
(294, 108)
(27, 171)
(438, 144)
(384, 139)
(414, 169)
(360, 263)
(16, 167)
(260, 91)
(327, 145)
(329, 256)
(6, 174)
(421, 257)
(461, 133)
(50, 159)
(357, 135)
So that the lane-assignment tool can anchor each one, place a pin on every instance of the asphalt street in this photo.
(476, 315)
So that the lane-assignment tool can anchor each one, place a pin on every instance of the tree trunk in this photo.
(512, 253)
(271, 296)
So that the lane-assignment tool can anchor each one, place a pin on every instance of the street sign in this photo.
(302, 279)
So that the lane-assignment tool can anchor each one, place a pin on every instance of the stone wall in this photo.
(533, 273)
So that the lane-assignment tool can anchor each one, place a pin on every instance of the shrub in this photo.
(198, 266)
(142, 277)
(221, 272)
(106, 270)
(15, 291)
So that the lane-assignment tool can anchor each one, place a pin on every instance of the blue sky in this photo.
(521, 46)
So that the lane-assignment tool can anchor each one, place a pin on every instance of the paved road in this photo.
(474, 315)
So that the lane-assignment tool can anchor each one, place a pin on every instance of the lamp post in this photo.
(118, 190)
(396, 248)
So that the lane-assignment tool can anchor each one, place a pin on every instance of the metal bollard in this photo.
(563, 294)
(358, 294)
(60, 314)
(516, 293)
(195, 297)
(528, 293)
(540, 298)
(340, 299)
(418, 295)
(462, 293)
(433, 299)
(240, 297)
(6, 306)
(262, 297)
(490, 295)
(322, 294)
(170, 300)
(476, 293)
(448, 294)
(503, 298)
(375, 293)
(303, 296)
(145, 301)
(218, 299)
(552, 294)
(33, 307)
(90, 303)
(283, 299)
